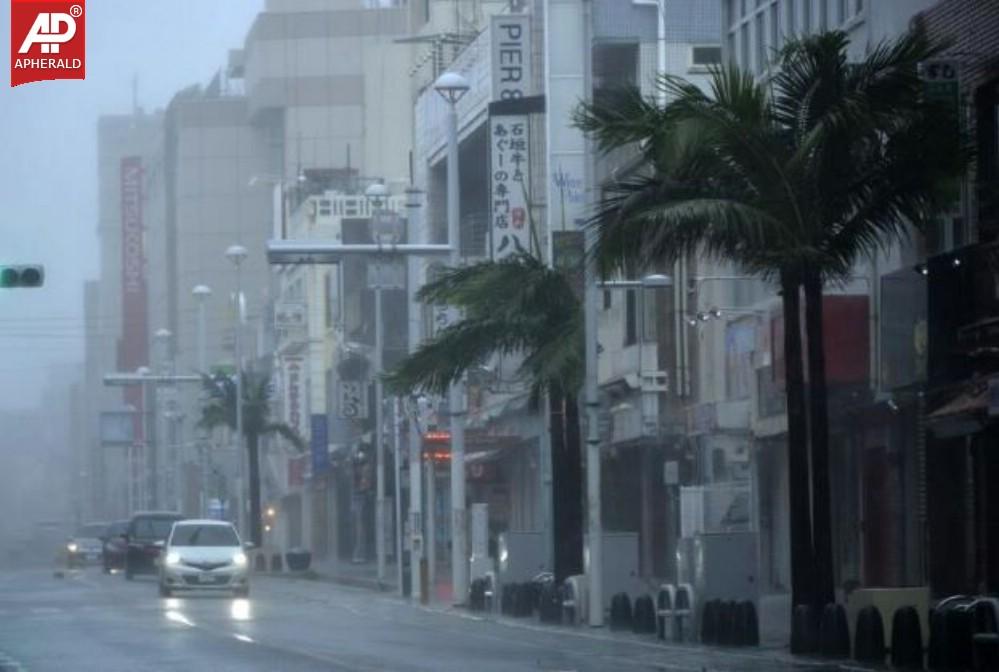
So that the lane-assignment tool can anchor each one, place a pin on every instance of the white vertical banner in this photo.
(509, 178)
(294, 394)
(510, 38)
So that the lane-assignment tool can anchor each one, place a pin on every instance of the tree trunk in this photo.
(253, 448)
(567, 486)
(818, 400)
(797, 445)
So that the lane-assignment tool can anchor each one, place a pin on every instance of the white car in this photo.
(204, 555)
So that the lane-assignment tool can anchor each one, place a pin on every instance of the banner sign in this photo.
(511, 56)
(319, 444)
(509, 181)
(294, 393)
(117, 428)
(134, 345)
(352, 396)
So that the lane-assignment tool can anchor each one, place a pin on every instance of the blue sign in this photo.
(319, 443)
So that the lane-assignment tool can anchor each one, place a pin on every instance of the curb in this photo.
(353, 582)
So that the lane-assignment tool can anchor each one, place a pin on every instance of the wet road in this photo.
(89, 621)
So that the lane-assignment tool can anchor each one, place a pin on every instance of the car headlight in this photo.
(239, 559)
(71, 547)
(173, 558)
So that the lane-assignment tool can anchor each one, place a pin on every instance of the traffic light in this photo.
(30, 275)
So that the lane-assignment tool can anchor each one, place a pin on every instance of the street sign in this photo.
(289, 316)
(941, 83)
(352, 396)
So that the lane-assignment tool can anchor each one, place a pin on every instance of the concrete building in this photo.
(117, 305)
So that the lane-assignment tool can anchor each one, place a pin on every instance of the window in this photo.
(703, 57)
(823, 15)
(789, 25)
(607, 299)
(841, 12)
(774, 27)
(744, 46)
(204, 535)
(858, 6)
(615, 65)
(742, 8)
(806, 16)
(761, 45)
(630, 318)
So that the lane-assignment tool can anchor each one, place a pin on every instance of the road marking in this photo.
(177, 617)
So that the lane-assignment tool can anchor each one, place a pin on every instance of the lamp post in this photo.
(594, 565)
(163, 478)
(144, 456)
(201, 293)
(451, 86)
(236, 254)
(376, 193)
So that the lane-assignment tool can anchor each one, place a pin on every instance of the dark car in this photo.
(84, 547)
(147, 533)
(114, 546)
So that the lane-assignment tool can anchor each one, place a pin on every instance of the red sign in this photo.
(297, 468)
(47, 40)
(133, 349)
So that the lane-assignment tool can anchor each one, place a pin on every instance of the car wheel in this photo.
(165, 590)
(241, 592)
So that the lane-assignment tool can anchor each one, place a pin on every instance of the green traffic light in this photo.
(12, 277)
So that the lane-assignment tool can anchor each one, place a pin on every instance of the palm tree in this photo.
(219, 410)
(517, 306)
(792, 179)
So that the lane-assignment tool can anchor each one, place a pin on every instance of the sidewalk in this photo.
(365, 575)
(682, 656)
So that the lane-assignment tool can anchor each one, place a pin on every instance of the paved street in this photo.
(89, 621)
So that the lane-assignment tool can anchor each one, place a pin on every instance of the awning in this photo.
(964, 413)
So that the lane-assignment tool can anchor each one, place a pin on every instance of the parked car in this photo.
(114, 546)
(204, 555)
(145, 537)
(84, 547)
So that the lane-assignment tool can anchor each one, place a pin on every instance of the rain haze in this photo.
(499, 335)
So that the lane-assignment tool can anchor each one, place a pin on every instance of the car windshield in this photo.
(204, 535)
(118, 529)
(91, 531)
(152, 528)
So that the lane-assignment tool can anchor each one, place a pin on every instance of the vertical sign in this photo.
(294, 393)
(319, 444)
(133, 347)
(353, 399)
(511, 56)
(509, 180)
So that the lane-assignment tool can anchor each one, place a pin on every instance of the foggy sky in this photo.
(48, 172)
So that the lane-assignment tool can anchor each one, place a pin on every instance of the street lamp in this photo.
(594, 551)
(452, 87)
(236, 254)
(384, 234)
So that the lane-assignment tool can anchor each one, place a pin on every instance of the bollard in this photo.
(644, 617)
(276, 564)
(906, 639)
(804, 629)
(709, 622)
(869, 638)
(259, 563)
(834, 635)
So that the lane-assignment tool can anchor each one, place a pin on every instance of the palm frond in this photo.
(285, 432)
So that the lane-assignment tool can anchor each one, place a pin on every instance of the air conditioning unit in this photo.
(655, 381)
